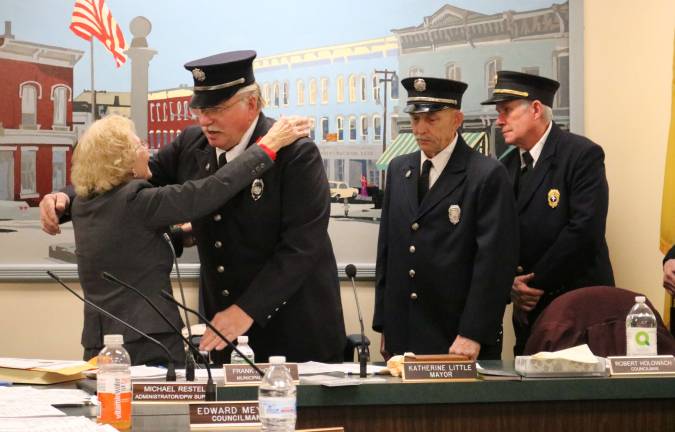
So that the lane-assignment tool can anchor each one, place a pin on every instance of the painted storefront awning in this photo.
(405, 143)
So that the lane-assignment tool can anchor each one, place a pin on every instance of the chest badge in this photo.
(257, 189)
(454, 214)
(408, 174)
(553, 198)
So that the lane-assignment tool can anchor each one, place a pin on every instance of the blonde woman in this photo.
(119, 219)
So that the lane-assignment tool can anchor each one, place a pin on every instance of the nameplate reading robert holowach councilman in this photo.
(646, 365)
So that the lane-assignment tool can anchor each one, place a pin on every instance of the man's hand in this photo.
(669, 277)
(524, 297)
(286, 131)
(386, 355)
(465, 347)
(231, 322)
(51, 207)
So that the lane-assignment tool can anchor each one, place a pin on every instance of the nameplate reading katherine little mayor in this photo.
(647, 365)
(439, 371)
(224, 414)
(168, 392)
(243, 374)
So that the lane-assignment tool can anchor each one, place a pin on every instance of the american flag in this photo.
(93, 18)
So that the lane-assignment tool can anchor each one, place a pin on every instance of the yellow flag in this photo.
(668, 205)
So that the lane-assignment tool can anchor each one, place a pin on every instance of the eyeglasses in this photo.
(212, 111)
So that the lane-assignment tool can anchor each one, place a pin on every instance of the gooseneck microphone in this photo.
(170, 298)
(210, 386)
(170, 367)
(189, 359)
(364, 351)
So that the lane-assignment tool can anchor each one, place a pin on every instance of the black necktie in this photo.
(525, 170)
(423, 183)
(222, 160)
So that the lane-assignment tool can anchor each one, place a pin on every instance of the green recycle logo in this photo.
(642, 338)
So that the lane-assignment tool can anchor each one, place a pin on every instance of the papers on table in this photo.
(40, 371)
(311, 368)
(34, 396)
(333, 381)
(53, 424)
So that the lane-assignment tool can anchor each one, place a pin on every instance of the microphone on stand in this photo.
(170, 367)
(189, 359)
(170, 298)
(364, 352)
(210, 386)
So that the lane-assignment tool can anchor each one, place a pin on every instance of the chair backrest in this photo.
(595, 316)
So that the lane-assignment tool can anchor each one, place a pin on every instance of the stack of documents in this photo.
(31, 409)
(37, 371)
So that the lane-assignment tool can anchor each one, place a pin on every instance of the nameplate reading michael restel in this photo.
(168, 391)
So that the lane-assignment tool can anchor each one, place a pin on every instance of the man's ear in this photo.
(538, 109)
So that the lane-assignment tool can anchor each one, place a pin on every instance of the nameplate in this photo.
(644, 365)
(168, 391)
(243, 374)
(439, 371)
(224, 414)
(332, 429)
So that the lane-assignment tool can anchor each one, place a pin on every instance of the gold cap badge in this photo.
(553, 198)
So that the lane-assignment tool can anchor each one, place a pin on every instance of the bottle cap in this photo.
(275, 360)
(640, 299)
(242, 340)
(113, 339)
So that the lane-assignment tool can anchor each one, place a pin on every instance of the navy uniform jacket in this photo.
(271, 256)
(436, 279)
(562, 239)
(137, 253)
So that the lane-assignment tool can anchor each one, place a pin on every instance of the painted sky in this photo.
(184, 30)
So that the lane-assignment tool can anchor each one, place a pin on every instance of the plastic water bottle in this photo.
(113, 383)
(276, 398)
(640, 330)
(242, 345)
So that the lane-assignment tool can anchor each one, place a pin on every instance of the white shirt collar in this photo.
(235, 151)
(439, 161)
(535, 151)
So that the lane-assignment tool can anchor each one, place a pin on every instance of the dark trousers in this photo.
(145, 352)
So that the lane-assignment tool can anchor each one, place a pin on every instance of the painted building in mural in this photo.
(469, 46)
(168, 115)
(107, 102)
(338, 87)
(36, 133)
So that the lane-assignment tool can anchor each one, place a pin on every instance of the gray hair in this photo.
(547, 111)
(253, 90)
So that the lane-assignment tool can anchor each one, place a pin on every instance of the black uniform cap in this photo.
(218, 77)
(517, 85)
(432, 94)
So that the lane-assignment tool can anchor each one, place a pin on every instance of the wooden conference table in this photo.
(550, 405)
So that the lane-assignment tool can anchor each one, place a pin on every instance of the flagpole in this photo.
(93, 90)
